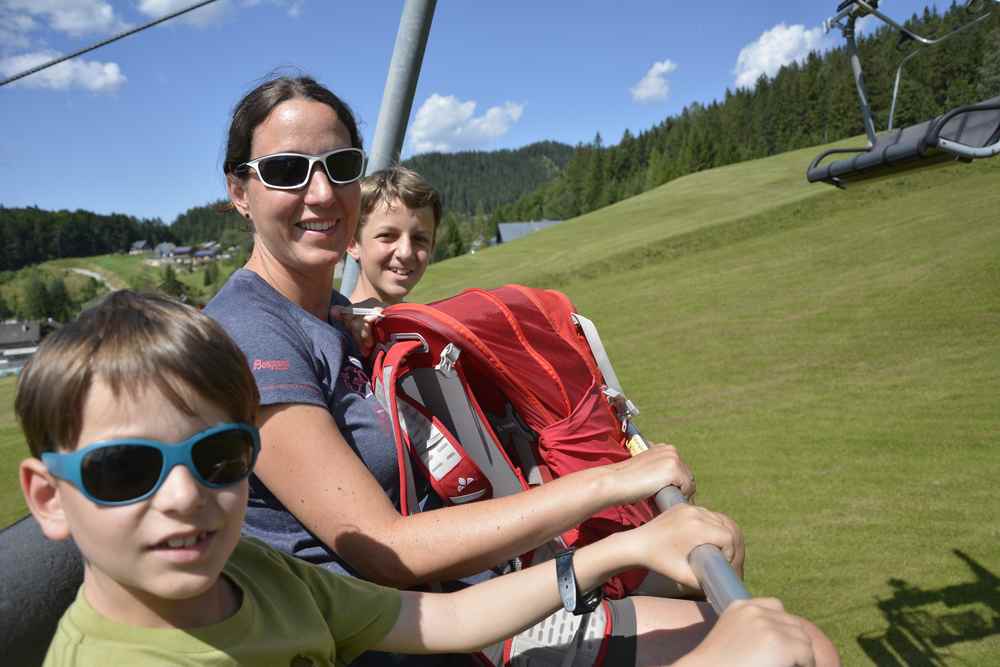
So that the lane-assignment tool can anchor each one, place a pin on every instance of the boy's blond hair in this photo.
(397, 184)
(131, 341)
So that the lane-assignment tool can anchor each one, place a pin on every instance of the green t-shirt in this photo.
(292, 613)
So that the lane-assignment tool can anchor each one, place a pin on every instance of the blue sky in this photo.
(138, 126)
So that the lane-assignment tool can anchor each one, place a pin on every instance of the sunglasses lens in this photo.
(284, 171)
(345, 166)
(224, 458)
(121, 472)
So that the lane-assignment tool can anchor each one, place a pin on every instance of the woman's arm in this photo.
(308, 465)
(482, 614)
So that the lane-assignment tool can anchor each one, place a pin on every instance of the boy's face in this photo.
(394, 249)
(162, 555)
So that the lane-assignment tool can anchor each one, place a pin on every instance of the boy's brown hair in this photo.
(131, 341)
(397, 184)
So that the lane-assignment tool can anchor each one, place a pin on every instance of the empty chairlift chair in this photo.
(964, 134)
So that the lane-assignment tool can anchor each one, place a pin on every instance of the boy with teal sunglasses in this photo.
(139, 416)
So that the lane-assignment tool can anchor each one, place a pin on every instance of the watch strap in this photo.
(573, 601)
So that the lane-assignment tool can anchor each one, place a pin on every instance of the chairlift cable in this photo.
(105, 42)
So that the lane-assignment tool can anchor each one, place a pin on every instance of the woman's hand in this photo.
(664, 543)
(358, 324)
(646, 473)
(754, 633)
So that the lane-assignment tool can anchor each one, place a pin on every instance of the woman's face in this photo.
(308, 229)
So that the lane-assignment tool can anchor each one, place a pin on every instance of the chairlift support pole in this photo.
(397, 101)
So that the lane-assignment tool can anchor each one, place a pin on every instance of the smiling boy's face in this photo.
(394, 247)
(157, 561)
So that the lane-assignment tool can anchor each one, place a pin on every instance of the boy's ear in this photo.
(354, 250)
(238, 194)
(43, 499)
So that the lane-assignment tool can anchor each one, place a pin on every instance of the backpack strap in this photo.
(385, 373)
(613, 390)
(443, 391)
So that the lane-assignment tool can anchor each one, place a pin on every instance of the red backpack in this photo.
(493, 391)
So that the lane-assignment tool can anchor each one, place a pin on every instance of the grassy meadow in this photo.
(828, 362)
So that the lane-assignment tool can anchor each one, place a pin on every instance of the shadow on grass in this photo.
(924, 623)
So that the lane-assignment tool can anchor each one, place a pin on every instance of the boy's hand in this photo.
(664, 543)
(360, 325)
(644, 474)
(755, 633)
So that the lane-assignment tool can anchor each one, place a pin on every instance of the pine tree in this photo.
(170, 284)
(989, 71)
(36, 299)
(59, 305)
(211, 274)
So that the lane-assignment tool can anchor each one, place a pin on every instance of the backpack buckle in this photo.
(449, 356)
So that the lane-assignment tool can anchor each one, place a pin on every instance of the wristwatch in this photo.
(574, 601)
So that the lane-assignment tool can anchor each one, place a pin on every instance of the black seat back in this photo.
(39, 579)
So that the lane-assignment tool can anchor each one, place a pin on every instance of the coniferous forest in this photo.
(804, 104)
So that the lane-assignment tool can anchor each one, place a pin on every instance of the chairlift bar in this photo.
(718, 580)
(959, 149)
(927, 42)
(397, 101)
(859, 81)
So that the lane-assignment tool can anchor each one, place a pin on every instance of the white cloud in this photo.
(91, 75)
(654, 85)
(14, 31)
(202, 16)
(213, 13)
(73, 17)
(778, 46)
(444, 123)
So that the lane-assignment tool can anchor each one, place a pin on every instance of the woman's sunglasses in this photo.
(291, 171)
(119, 472)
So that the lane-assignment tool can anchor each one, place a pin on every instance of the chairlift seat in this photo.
(39, 579)
(964, 134)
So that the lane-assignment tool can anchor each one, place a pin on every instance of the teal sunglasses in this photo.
(128, 470)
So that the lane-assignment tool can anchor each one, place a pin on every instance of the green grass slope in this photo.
(828, 363)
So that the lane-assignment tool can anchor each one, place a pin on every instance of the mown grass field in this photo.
(828, 363)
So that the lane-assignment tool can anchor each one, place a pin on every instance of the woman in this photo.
(325, 487)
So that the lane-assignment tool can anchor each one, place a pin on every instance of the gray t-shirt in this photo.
(298, 358)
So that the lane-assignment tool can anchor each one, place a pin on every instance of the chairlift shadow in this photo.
(920, 633)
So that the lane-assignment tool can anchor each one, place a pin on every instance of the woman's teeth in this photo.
(315, 226)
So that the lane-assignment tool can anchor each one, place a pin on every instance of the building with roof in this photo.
(508, 231)
(139, 247)
(18, 341)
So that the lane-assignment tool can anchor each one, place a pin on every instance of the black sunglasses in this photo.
(291, 171)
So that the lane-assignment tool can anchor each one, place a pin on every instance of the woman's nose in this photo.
(319, 189)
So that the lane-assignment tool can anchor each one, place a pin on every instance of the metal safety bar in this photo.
(718, 580)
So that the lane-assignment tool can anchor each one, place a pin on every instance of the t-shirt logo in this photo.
(270, 365)
(354, 379)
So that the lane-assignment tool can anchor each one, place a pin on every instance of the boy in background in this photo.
(397, 228)
(139, 416)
